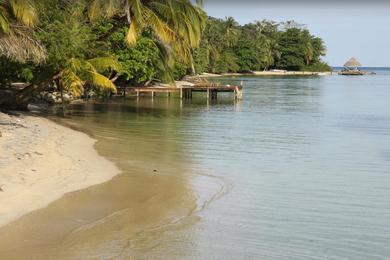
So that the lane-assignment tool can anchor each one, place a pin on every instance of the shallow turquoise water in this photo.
(305, 163)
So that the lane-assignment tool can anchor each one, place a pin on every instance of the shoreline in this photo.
(141, 201)
(40, 161)
(268, 73)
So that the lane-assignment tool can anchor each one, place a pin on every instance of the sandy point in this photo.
(40, 161)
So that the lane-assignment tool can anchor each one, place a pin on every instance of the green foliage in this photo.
(79, 73)
(12, 71)
(319, 66)
(138, 62)
(166, 38)
(180, 69)
(229, 47)
(300, 50)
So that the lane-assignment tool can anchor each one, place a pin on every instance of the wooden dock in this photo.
(186, 92)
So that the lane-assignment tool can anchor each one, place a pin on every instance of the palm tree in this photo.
(175, 23)
(309, 50)
(271, 52)
(78, 73)
(16, 41)
(230, 30)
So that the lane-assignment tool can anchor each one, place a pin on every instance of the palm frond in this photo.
(102, 64)
(19, 45)
(132, 33)
(71, 82)
(105, 8)
(136, 8)
(24, 11)
(98, 80)
(4, 19)
(160, 28)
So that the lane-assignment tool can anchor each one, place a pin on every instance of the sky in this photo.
(353, 28)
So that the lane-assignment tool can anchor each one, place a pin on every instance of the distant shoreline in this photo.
(268, 73)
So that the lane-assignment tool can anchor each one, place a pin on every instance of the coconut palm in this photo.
(271, 52)
(175, 23)
(21, 11)
(78, 73)
(16, 41)
(308, 50)
(231, 31)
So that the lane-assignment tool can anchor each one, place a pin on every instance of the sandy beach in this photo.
(40, 161)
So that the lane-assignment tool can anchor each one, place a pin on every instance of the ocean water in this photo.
(298, 169)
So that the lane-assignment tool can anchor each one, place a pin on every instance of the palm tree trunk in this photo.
(14, 99)
(193, 70)
(127, 11)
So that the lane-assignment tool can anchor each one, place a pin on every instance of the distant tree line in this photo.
(227, 46)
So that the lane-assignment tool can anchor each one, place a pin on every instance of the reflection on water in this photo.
(300, 166)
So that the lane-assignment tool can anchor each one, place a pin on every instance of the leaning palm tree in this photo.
(78, 73)
(16, 41)
(175, 23)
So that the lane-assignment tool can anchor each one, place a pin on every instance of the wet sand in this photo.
(125, 217)
(40, 161)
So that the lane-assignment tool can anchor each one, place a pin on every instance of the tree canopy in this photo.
(227, 46)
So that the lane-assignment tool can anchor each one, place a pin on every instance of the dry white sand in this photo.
(40, 161)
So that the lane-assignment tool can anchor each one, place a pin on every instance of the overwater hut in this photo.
(352, 67)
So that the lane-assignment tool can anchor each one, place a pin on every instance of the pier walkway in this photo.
(211, 91)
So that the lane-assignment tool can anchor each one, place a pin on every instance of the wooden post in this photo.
(208, 93)
(137, 93)
(238, 93)
(181, 93)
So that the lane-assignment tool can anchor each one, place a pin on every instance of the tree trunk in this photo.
(127, 11)
(193, 70)
(14, 99)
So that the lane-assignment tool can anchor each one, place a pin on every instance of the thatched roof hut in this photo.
(352, 63)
